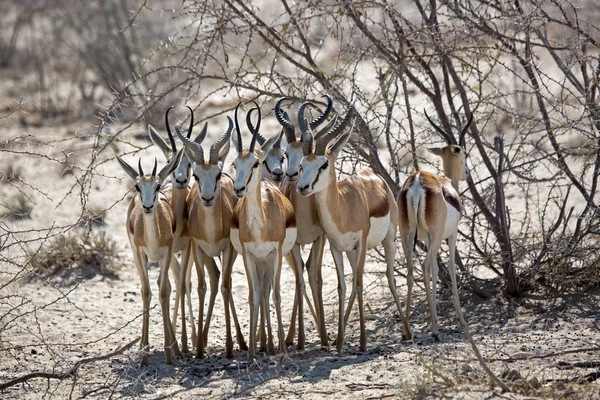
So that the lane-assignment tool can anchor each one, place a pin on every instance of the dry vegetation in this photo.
(77, 82)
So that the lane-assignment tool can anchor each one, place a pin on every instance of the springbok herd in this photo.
(265, 215)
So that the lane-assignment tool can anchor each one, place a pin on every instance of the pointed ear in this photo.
(159, 141)
(202, 135)
(170, 167)
(133, 174)
(336, 148)
(234, 140)
(436, 150)
(223, 152)
(269, 143)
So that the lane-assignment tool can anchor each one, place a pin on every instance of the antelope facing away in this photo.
(177, 194)
(309, 227)
(356, 213)
(263, 230)
(430, 210)
(210, 208)
(150, 225)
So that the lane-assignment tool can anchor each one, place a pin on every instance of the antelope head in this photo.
(181, 175)
(247, 162)
(148, 185)
(293, 150)
(272, 167)
(453, 154)
(207, 173)
(317, 166)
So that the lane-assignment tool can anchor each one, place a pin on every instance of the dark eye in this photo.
(219, 176)
(324, 166)
(137, 188)
(256, 165)
(157, 187)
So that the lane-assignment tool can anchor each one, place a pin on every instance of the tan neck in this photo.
(328, 200)
(178, 199)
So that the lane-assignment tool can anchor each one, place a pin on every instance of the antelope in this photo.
(309, 227)
(430, 209)
(210, 208)
(150, 225)
(177, 194)
(263, 230)
(272, 167)
(356, 213)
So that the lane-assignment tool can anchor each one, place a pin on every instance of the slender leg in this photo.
(304, 267)
(188, 291)
(434, 246)
(254, 293)
(227, 263)
(175, 268)
(141, 262)
(289, 340)
(315, 280)
(339, 265)
(165, 294)
(199, 261)
(295, 261)
(452, 262)
(213, 274)
(353, 259)
(268, 271)
(407, 244)
(262, 328)
(183, 287)
(277, 300)
(238, 330)
(389, 247)
(358, 287)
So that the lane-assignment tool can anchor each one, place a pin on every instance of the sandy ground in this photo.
(67, 323)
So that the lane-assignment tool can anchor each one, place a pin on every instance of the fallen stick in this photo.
(70, 372)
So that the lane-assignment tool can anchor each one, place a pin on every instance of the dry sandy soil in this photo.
(100, 313)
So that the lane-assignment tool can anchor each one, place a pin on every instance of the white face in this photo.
(294, 155)
(181, 175)
(314, 174)
(247, 173)
(208, 177)
(272, 167)
(148, 188)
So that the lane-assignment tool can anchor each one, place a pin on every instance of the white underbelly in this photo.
(260, 251)
(379, 229)
(289, 241)
(452, 218)
(212, 249)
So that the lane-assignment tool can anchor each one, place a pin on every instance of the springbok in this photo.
(177, 194)
(309, 227)
(263, 230)
(272, 167)
(150, 225)
(210, 208)
(356, 213)
(430, 210)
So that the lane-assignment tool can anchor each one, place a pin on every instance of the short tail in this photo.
(415, 199)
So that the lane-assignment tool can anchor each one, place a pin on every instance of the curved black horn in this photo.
(189, 134)
(261, 139)
(237, 128)
(155, 166)
(322, 142)
(171, 138)
(319, 120)
(277, 144)
(216, 146)
(461, 138)
(447, 137)
(330, 125)
(255, 132)
(192, 146)
(140, 170)
(307, 136)
(284, 121)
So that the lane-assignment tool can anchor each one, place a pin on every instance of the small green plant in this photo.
(74, 256)
(18, 207)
